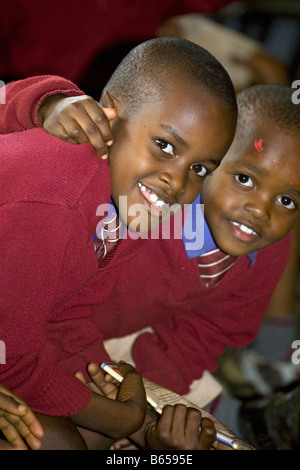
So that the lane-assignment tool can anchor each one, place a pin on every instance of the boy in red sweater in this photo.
(183, 316)
(164, 145)
(185, 338)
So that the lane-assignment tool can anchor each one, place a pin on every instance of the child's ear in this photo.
(107, 100)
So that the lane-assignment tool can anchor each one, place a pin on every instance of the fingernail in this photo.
(109, 142)
(104, 157)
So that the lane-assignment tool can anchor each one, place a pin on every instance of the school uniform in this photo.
(49, 194)
(150, 286)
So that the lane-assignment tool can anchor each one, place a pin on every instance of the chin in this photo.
(142, 225)
(231, 250)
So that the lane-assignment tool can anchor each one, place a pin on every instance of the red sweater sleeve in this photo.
(24, 97)
(230, 314)
(32, 255)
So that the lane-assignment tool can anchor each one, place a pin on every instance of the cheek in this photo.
(211, 189)
(192, 192)
(281, 228)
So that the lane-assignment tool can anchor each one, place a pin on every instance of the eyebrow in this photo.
(263, 172)
(172, 131)
(295, 192)
(255, 168)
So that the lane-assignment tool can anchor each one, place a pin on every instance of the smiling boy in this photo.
(164, 153)
(190, 324)
(164, 144)
(260, 198)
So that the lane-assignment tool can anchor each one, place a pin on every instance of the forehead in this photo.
(188, 103)
(193, 91)
(271, 149)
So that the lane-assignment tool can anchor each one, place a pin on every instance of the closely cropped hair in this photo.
(271, 103)
(146, 71)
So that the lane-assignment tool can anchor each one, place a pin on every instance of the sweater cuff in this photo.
(65, 396)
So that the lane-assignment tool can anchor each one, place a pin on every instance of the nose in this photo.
(259, 207)
(175, 178)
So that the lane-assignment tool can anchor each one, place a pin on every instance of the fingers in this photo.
(123, 444)
(9, 404)
(132, 385)
(88, 128)
(5, 445)
(208, 434)
(99, 384)
(179, 428)
(17, 421)
(96, 374)
(80, 119)
(11, 434)
(18, 429)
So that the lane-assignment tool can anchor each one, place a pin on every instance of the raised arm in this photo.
(23, 99)
(60, 107)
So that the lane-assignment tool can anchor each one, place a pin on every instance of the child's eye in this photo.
(199, 169)
(165, 146)
(286, 202)
(245, 180)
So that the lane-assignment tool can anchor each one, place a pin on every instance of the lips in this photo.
(153, 198)
(243, 232)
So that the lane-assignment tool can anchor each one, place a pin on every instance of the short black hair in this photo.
(271, 103)
(148, 68)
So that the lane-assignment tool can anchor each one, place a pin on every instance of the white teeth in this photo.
(153, 198)
(244, 228)
(161, 204)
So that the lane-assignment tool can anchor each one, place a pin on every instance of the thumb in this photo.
(110, 113)
(132, 386)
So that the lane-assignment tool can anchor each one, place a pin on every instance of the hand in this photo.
(123, 444)
(178, 429)
(101, 383)
(78, 119)
(18, 423)
(125, 410)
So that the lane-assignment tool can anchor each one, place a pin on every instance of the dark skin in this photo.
(124, 414)
(177, 428)
(174, 169)
(24, 429)
(78, 120)
(169, 145)
(18, 424)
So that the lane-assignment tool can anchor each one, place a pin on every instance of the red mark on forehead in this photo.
(258, 144)
(293, 181)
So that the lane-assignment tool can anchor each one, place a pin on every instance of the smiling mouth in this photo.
(153, 198)
(242, 232)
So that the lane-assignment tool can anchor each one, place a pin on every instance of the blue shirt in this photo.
(196, 234)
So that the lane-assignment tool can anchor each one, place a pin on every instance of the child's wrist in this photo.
(46, 105)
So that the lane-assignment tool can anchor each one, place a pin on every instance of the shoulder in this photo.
(39, 167)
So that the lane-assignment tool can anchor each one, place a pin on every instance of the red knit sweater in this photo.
(147, 283)
(49, 193)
